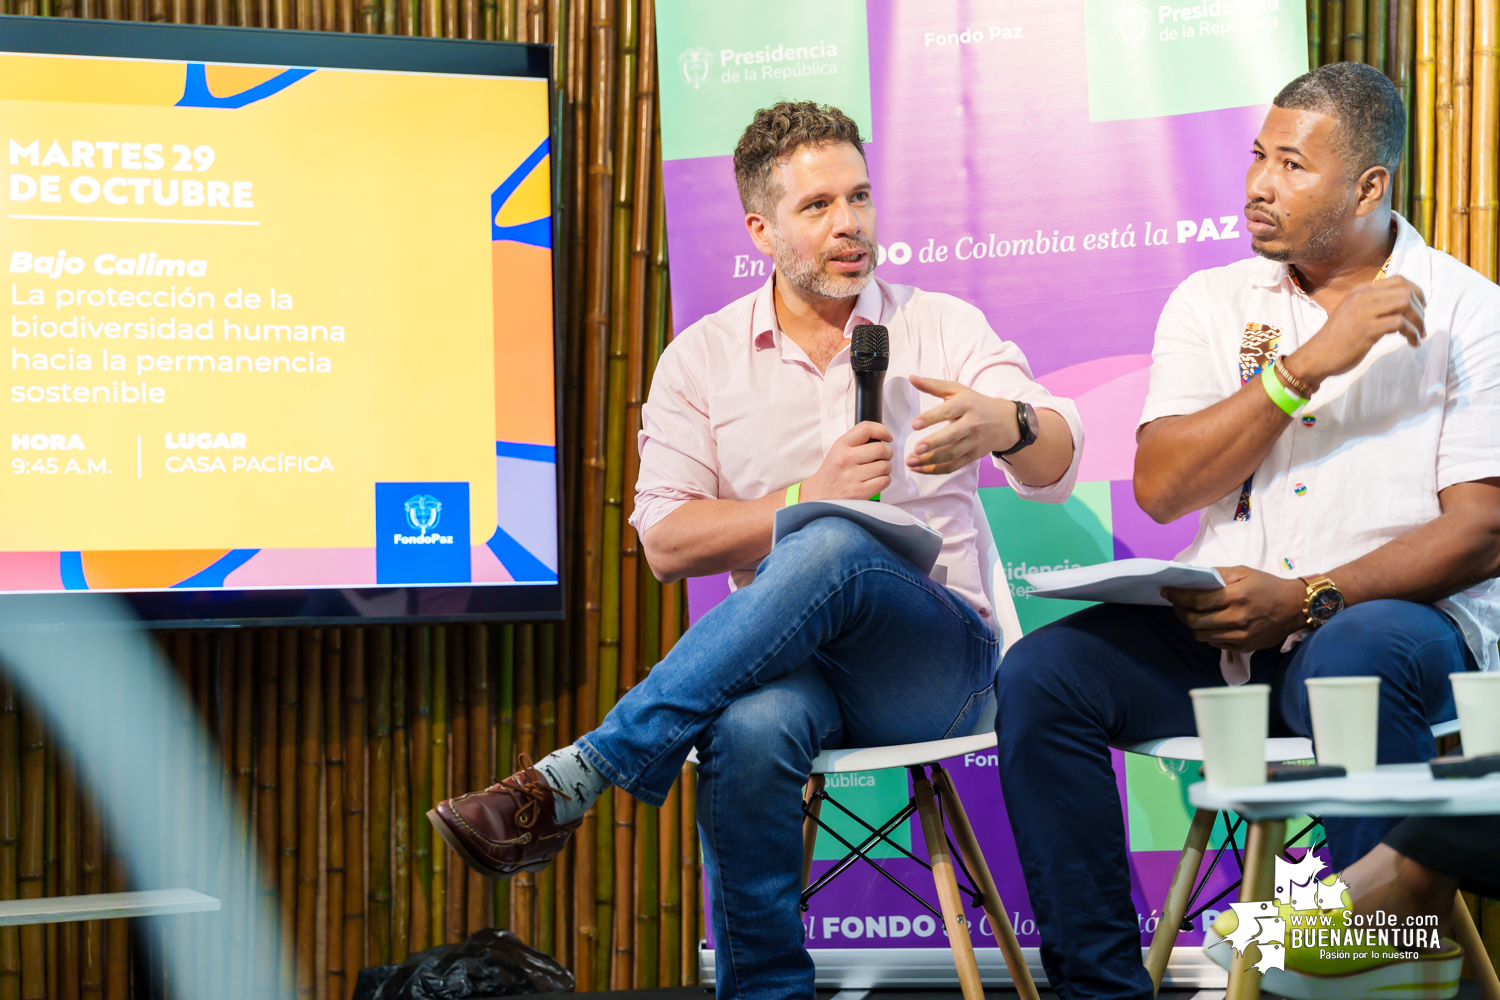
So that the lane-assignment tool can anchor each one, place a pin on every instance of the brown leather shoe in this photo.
(507, 828)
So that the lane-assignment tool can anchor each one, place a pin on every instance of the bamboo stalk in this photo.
(458, 768)
(336, 977)
(69, 957)
(49, 864)
(622, 968)
(116, 935)
(505, 740)
(546, 716)
(691, 901)
(1376, 16)
(92, 870)
(1401, 189)
(647, 896)
(30, 857)
(1443, 164)
(288, 839)
(310, 717)
(378, 912)
(1424, 147)
(1314, 33)
(424, 931)
(475, 649)
(1482, 191)
(443, 862)
(10, 836)
(1354, 31)
(267, 801)
(669, 941)
(1463, 103)
(506, 16)
(400, 801)
(523, 886)
(355, 720)
(1333, 31)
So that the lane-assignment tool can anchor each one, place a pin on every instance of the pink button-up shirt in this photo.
(737, 411)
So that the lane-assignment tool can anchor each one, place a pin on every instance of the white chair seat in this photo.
(906, 755)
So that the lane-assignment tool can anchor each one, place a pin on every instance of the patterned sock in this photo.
(566, 769)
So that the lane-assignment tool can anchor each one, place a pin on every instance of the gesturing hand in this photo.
(977, 425)
(1253, 610)
(855, 468)
(1370, 312)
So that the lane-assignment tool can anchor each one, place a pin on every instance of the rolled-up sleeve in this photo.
(996, 367)
(679, 461)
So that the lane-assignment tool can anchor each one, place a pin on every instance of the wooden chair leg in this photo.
(1188, 864)
(1473, 945)
(1258, 882)
(947, 886)
(973, 857)
(810, 824)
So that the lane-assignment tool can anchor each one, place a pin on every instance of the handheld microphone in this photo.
(870, 356)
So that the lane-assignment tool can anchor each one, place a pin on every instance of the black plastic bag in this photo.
(491, 963)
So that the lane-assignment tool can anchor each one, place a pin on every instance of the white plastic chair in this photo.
(1181, 892)
(934, 801)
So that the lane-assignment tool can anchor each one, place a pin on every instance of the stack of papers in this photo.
(1125, 581)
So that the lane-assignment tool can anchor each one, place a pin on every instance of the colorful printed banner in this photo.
(275, 327)
(1063, 165)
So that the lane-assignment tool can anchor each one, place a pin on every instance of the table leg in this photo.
(1264, 840)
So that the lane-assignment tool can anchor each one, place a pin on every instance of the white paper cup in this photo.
(1345, 720)
(1478, 698)
(1232, 723)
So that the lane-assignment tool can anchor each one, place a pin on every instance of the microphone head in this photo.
(869, 349)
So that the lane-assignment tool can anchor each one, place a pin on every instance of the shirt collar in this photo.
(766, 328)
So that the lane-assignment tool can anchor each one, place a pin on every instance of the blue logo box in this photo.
(422, 533)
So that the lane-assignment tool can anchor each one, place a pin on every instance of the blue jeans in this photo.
(839, 642)
(1115, 674)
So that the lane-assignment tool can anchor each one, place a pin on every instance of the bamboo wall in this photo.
(339, 740)
(1442, 56)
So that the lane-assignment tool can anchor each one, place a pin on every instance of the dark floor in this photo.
(1468, 990)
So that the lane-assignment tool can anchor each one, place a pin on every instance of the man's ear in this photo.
(1372, 189)
(757, 226)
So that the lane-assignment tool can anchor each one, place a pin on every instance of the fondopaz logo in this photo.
(422, 533)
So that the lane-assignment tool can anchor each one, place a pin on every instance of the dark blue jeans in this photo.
(1121, 674)
(838, 642)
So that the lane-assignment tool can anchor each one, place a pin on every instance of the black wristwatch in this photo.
(1027, 424)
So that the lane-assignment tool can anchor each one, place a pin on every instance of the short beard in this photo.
(809, 275)
(1325, 243)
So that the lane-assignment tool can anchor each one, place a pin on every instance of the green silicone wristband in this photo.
(1288, 401)
(793, 493)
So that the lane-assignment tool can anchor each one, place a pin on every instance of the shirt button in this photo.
(1300, 489)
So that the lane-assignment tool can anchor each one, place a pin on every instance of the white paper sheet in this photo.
(900, 532)
(1124, 581)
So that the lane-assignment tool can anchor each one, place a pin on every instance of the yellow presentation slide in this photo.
(274, 327)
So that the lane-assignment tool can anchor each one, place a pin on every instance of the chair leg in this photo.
(1257, 882)
(810, 823)
(1188, 864)
(947, 886)
(1473, 945)
(973, 857)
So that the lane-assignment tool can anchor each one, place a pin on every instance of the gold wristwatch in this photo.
(1323, 600)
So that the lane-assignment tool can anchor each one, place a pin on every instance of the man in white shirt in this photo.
(839, 641)
(1364, 523)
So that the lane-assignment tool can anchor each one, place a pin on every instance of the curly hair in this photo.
(777, 132)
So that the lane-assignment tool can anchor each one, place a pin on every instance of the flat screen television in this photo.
(281, 343)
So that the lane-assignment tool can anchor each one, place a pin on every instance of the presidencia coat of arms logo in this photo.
(695, 63)
(1132, 22)
(423, 512)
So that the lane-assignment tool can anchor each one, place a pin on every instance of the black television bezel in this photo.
(200, 609)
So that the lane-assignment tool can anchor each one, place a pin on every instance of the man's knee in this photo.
(825, 546)
(773, 727)
(1034, 678)
(1384, 638)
